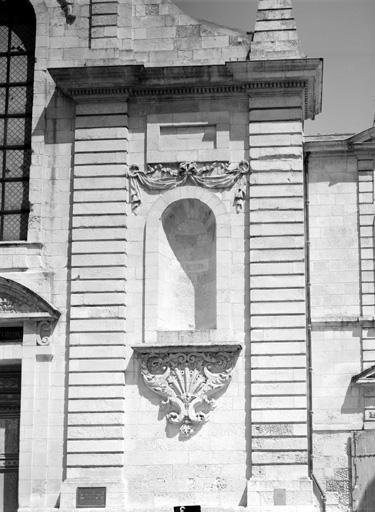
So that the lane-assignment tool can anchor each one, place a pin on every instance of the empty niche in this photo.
(187, 271)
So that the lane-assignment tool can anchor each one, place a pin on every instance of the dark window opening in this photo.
(17, 48)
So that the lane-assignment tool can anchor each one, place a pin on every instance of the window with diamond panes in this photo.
(17, 46)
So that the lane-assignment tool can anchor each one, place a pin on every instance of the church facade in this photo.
(187, 280)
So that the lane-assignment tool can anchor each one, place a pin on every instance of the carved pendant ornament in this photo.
(187, 379)
(68, 7)
(216, 175)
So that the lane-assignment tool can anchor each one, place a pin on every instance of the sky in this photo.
(342, 32)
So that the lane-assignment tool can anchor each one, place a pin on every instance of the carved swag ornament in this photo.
(186, 379)
(216, 175)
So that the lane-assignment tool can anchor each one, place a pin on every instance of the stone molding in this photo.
(215, 175)
(187, 378)
(246, 77)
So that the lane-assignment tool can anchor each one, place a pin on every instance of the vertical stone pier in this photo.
(95, 437)
(278, 305)
(280, 447)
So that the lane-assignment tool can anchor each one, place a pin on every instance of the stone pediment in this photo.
(362, 137)
(365, 378)
(17, 302)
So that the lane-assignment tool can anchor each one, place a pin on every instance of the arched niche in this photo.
(187, 274)
(190, 212)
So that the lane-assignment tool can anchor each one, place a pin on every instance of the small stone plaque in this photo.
(279, 497)
(11, 334)
(91, 497)
(188, 508)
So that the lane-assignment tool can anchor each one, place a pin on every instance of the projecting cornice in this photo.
(330, 144)
(365, 378)
(86, 83)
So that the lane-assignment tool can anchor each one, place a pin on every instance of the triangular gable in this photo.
(17, 302)
(365, 136)
(365, 378)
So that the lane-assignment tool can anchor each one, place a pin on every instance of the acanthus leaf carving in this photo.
(187, 379)
(215, 175)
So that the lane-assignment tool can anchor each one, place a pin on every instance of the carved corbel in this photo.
(69, 9)
(44, 332)
(187, 378)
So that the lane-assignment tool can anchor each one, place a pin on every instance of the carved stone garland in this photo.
(216, 175)
(187, 378)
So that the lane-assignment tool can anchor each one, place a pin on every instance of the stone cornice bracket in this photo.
(215, 175)
(44, 332)
(187, 378)
(68, 6)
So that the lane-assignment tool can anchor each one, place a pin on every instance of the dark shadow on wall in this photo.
(353, 401)
(367, 501)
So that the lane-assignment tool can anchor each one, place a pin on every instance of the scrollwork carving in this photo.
(45, 329)
(216, 175)
(187, 379)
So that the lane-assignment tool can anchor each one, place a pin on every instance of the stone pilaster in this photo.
(95, 440)
(278, 305)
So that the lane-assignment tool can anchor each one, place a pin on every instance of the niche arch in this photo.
(201, 276)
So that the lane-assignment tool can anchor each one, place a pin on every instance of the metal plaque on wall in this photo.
(91, 497)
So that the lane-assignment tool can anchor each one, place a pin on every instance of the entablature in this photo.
(83, 83)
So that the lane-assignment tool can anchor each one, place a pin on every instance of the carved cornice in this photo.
(187, 378)
(231, 78)
(178, 91)
(214, 175)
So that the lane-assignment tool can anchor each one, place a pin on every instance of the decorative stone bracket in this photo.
(68, 7)
(187, 378)
(45, 330)
(215, 175)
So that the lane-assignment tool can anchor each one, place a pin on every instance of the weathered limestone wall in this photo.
(333, 236)
(209, 468)
(335, 308)
(129, 31)
(92, 296)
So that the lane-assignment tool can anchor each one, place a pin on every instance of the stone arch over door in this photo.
(154, 260)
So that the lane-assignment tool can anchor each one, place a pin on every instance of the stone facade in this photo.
(195, 295)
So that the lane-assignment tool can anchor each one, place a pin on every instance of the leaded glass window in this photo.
(17, 46)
